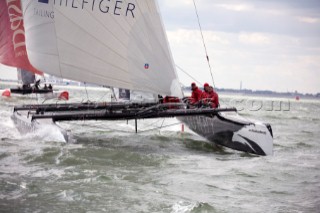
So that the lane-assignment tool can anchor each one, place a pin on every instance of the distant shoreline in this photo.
(265, 93)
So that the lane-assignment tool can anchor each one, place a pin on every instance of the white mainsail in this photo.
(107, 42)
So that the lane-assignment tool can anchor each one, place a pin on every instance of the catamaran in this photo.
(120, 44)
(31, 87)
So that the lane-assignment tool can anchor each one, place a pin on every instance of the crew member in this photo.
(206, 87)
(213, 98)
(36, 85)
(209, 97)
(205, 94)
(196, 94)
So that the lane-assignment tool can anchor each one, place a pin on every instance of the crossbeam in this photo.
(81, 106)
(128, 115)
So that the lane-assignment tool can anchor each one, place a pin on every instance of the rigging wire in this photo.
(85, 86)
(112, 96)
(161, 125)
(204, 44)
(102, 97)
(158, 128)
(185, 72)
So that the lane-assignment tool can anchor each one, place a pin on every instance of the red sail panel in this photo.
(12, 37)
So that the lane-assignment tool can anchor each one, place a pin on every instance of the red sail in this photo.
(12, 37)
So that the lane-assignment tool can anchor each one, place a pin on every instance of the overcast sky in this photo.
(266, 44)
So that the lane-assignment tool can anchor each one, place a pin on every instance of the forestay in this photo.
(12, 36)
(107, 42)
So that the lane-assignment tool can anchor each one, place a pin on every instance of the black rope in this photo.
(204, 44)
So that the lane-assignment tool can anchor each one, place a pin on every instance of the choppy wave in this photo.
(185, 207)
(109, 168)
(47, 133)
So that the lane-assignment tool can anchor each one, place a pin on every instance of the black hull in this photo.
(28, 91)
(237, 134)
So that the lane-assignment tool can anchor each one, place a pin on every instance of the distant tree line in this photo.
(264, 92)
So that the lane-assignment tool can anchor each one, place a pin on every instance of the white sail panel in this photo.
(107, 42)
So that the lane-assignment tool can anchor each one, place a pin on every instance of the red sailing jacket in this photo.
(211, 98)
(196, 95)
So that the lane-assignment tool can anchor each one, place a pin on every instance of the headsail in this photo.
(12, 36)
(107, 42)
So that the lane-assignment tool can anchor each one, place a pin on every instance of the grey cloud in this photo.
(260, 19)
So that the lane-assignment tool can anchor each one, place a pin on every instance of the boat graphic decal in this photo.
(44, 1)
(255, 147)
(117, 8)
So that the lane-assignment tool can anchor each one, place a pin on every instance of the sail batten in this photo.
(115, 43)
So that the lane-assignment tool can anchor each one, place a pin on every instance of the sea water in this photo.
(108, 168)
